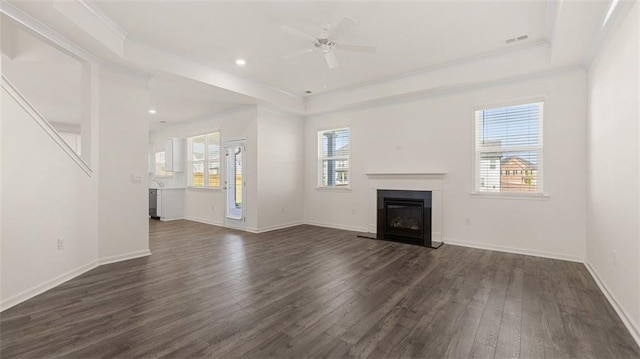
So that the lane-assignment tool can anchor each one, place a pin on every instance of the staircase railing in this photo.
(44, 124)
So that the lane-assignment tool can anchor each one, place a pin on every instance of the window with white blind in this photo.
(333, 158)
(508, 149)
(204, 160)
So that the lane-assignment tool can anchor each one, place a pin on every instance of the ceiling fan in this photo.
(326, 42)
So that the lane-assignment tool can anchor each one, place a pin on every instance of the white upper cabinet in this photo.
(174, 155)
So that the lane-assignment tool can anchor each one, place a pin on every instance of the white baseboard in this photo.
(124, 257)
(248, 229)
(43, 287)
(274, 228)
(205, 221)
(50, 284)
(164, 219)
(506, 249)
(346, 228)
(627, 320)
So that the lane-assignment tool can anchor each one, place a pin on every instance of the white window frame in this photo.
(156, 170)
(205, 161)
(321, 158)
(476, 179)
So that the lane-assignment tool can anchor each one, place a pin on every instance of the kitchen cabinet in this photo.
(170, 203)
(174, 154)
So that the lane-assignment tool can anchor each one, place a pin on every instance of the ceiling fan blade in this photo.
(341, 27)
(299, 52)
(331, 60)
(357, 48)
(297, 33)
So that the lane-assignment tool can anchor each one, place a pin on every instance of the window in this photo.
(333, 158)
(204, 160)
(512, 137)
(161, 162)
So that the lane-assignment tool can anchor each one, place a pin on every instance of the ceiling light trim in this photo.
(34, 25)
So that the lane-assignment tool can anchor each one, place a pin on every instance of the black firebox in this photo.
(404, 216)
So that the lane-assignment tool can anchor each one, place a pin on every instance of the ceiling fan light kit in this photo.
(327, 42)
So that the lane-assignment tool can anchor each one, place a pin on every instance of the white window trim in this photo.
(475, 179)
(204, 161)
(167, 174)
(319, 186)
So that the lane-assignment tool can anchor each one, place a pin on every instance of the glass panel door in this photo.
(235, 184)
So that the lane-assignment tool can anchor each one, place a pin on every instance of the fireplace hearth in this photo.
(404, 216)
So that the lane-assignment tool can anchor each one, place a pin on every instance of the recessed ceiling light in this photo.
(152, 111)
(240, 62)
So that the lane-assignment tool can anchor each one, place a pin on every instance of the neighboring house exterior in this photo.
(490, 172)
(518, 175)
(338, 170)
(490, 168)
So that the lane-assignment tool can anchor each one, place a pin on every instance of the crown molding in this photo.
(447, 90)
(463, 73)
(119, 69)
(278, 111)
(26, 20)
(615, 20)
(141, 53)
(465, 60)
(105, 19)
(94, 23)
(554, 8)
(206, 118)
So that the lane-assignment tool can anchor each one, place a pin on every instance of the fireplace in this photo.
(404, 216)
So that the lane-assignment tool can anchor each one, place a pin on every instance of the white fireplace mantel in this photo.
(409, 175)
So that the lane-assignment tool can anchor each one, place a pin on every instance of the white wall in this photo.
(613, 241)
(207, 205)
(45, 196)
(433, 134)
(122, 153)
(280, 170)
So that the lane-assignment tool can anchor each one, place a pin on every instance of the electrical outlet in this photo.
(467, 221)
(60, 244)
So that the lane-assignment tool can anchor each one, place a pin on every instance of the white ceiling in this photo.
(51, 80)
(177, 99)
(413, 38)
(409, 35)
(45, 75)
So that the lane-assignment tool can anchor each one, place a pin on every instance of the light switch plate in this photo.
(136, 178)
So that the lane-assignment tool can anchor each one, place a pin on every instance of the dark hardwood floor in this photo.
(315, 292)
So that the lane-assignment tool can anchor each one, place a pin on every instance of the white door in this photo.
(234, 184)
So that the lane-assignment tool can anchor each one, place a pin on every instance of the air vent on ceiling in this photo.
(516, 39)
